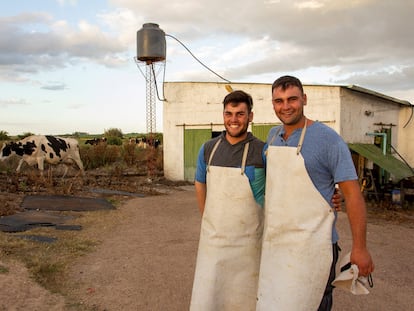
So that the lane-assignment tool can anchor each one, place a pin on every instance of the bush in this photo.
(24, 135)
(99, 155)
(129, 154)
(113, 132)
(4, 135)
(112, 140)
(114, 136)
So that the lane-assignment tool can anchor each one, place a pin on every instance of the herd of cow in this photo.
(144, 142)
(41, 149)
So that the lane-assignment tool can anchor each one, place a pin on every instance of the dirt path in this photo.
(392, 248)
(19, 292)
(147, 262)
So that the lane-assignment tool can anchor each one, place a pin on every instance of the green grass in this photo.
(3, 269)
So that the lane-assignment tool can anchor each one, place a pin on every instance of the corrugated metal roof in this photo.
(376, 94)
(392, 165)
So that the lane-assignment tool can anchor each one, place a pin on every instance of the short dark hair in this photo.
(287, 81)
(238, 97)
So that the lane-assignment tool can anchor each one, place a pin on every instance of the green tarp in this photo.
(392, 165)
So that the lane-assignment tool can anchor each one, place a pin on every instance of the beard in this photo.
(237, 132)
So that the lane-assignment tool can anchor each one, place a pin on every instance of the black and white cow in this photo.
(95, 141)
(38, 149)
(143, 142)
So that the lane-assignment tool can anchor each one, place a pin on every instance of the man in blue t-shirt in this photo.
(305, 159)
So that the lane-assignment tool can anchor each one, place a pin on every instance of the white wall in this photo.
(199, 105)
(362, 113)
(323, 105)
(406, 134)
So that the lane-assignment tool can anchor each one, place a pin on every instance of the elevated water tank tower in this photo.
(151, 48)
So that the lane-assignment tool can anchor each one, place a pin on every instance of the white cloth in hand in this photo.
(347, 277)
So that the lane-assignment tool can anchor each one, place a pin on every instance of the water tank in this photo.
(151, 45)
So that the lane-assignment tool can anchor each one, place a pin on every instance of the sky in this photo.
(69, 66)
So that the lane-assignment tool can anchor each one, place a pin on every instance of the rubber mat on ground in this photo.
(30, 219)
(64, 203)
(37, 238)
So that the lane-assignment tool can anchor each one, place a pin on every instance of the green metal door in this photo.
(193, 139)
(261, 131)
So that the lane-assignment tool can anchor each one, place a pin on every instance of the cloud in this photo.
(54, 86)
(67, 2)
(386, 79)
(357, 41)
(300, 34)
(13, 102)
(34, 42)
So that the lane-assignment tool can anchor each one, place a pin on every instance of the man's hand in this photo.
(363, 260)
(337, 200)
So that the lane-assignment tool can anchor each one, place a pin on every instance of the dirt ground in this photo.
(147, 254)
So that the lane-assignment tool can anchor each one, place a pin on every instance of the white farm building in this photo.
(378, 128)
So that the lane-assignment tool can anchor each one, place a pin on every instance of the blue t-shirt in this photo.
(327, 157)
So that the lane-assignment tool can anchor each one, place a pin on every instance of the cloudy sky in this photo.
(68, 65)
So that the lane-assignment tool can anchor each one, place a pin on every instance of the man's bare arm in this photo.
(356, 210)
(201, 190)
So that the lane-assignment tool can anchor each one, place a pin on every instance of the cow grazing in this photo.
(95, 141)
(38, 149)
(143, 142)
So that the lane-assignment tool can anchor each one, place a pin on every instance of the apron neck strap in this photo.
(244, 158)
(212, 153)
(275, 135)
(245, 151)
(302, 137)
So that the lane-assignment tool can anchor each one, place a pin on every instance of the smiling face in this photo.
(236, 118)
(288, 105)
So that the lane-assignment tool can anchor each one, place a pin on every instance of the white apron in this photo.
(228, 256)
(297, 238)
